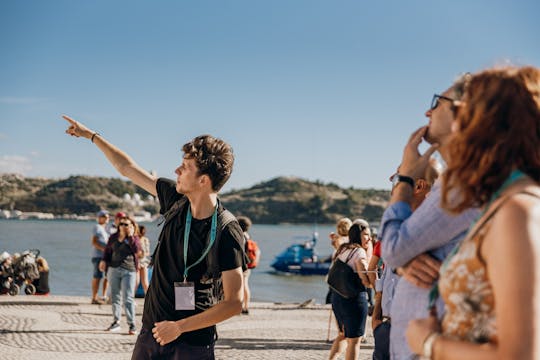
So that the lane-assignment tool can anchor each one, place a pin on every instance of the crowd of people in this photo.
(26, 271)
(459, 240)
(460, 252)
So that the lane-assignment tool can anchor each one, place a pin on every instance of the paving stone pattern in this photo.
(61, 327)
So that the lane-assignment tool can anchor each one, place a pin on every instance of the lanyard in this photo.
(186, 239)
(434, 292)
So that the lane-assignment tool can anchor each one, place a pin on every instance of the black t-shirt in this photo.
(169, 266)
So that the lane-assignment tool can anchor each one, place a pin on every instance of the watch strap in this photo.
(406, 179)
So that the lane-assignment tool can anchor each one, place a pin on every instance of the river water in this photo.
(66, 246)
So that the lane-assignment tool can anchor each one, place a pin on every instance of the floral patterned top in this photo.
(465, 287)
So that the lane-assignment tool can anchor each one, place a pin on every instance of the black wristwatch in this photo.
(402, 178)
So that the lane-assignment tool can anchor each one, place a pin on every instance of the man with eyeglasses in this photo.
(198, 262)
(417, 242)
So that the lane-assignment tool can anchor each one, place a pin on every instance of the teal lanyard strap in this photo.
(434, 292)
(186, 239)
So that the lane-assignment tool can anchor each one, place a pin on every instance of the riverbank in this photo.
(69, 327)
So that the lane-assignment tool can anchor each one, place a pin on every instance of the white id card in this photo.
(184, 296)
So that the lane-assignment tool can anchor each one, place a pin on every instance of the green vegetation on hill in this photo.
(279, 200)
(295, 200)
(74, 195)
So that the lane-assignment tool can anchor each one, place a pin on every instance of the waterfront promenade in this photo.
(66, 327)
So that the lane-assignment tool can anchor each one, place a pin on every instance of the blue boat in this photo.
(301, 259)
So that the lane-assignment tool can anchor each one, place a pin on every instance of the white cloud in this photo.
(15, 164)
(12, 100)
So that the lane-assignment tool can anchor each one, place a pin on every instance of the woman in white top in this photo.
(351, 313)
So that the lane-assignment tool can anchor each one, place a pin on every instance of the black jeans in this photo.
(146, 348)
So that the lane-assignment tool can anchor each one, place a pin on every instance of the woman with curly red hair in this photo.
(491, 282)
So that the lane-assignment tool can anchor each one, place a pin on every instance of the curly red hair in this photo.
(498, 131)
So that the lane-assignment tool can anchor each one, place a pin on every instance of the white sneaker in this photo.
(115, 326)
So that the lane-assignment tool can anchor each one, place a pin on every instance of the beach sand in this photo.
(68, 327)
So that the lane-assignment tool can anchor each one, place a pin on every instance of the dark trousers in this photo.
(146, 348)
(382, 341)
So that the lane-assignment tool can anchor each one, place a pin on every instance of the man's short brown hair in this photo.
(213, 156)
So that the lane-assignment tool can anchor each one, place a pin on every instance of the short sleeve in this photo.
(231, 252)
(359, 254)
(167, 194)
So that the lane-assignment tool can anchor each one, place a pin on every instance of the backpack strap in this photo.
(224, 219)
(213, 274)
(170, 214)
(349, 257)
(174, 210)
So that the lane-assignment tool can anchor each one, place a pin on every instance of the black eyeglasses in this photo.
(125, 224)
(435, 101)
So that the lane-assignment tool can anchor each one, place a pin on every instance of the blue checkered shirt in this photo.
(406, 235)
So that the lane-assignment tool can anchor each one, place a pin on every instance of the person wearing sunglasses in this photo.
(197, 278)
(418, 241)
(491, 282)
(121, 260)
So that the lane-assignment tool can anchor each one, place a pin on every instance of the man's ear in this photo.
(204, 180)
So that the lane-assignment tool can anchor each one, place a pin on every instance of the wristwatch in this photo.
(402, 178)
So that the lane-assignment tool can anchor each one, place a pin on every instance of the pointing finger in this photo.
(70, 120)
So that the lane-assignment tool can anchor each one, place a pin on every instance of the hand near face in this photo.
(131, 230)
(413, 163)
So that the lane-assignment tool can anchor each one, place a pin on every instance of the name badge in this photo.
(184, 296)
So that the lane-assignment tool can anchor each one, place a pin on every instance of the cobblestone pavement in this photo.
(63, 327)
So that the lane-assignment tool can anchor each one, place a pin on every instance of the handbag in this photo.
(343, 280)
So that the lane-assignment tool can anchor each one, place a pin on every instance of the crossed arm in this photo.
(510, 249)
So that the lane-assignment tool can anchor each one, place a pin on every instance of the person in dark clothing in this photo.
(42, 283)
(198, 262)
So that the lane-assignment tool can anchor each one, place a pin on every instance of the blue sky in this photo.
(324, 90)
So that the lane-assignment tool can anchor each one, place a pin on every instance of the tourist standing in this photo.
(351, 313)
(418, 241)
(100, 236)
(197, 272)
(253, 254)
(490, 283)
(341, 236)
(121, 258)
(144, 258)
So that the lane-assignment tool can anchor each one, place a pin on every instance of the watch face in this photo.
(394, 179)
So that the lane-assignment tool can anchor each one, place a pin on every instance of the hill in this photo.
(295, 200)
(279, 200)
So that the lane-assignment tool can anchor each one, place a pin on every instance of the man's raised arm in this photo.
(125, 165)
